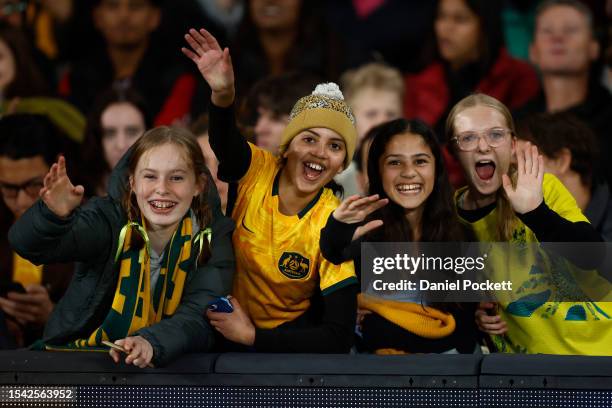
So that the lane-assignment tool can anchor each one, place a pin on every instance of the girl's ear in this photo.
(131, 179)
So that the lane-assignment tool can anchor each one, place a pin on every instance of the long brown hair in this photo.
(195, 160)
(505, 214)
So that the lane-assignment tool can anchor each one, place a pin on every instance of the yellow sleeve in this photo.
(261, 160)
(334, 277)
(560, 200)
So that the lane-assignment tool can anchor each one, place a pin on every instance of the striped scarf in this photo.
(135, 306)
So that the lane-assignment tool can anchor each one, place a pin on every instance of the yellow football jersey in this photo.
(279, 265)
(536, 322)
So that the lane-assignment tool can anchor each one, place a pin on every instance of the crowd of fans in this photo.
(124, 163)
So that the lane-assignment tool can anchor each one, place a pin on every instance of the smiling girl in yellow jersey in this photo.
(287, 297)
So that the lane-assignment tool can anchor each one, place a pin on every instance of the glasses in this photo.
(31, 187)
(468, 141)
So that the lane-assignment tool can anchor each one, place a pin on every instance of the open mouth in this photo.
(162, 206)
(312, 171)
(409, 189)
(485, 169)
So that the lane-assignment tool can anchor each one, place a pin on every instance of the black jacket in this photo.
(90, 236)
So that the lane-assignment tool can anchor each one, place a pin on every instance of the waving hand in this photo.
(214, 63)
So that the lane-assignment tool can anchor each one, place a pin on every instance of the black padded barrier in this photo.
(516, 380)
(302, 380)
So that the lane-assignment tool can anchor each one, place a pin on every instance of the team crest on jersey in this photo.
(293, 265)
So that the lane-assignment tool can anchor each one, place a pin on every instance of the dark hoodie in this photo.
(90, 236)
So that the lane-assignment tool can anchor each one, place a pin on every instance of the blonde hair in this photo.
(373, 75)
(506, 219)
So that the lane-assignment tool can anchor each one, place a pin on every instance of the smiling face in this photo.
(408, 171)
(313, 158)
(484, 166)
(164, 184)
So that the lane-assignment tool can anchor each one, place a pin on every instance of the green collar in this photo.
(304, 210)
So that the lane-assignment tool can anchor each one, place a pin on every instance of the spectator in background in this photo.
(200, 129)
(116, 121)
(570, 152)
(564, 49)
(19, 75)
(468, 56)
(131, 59)
(32, 19)
(375, 92)
(28, 147)
(269, 103)
(227, 14)
(279, 36)
(361, 161)
(23, 88)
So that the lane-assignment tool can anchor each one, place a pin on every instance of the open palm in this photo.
(214, 63)
(527, 194)
(355, 209)
(58, 192)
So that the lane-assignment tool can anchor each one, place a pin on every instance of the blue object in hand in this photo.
(222, 305)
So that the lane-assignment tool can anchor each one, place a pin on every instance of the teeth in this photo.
(485, 162)
(162, 204)
(408, 187)
(315, 166)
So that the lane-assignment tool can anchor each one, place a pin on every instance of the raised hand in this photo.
(355, 209)
(214, 63)
(527, 195)
(58, 192)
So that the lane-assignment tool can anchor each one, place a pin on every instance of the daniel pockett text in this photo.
(465, 271)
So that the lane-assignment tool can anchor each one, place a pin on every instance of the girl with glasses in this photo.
(509, 198)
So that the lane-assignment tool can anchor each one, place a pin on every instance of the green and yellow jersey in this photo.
(279, 266)
(537, 322)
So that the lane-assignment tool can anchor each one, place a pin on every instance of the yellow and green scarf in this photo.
(134, 305)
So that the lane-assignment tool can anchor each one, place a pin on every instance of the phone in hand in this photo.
(10, 286)
(222, 305)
